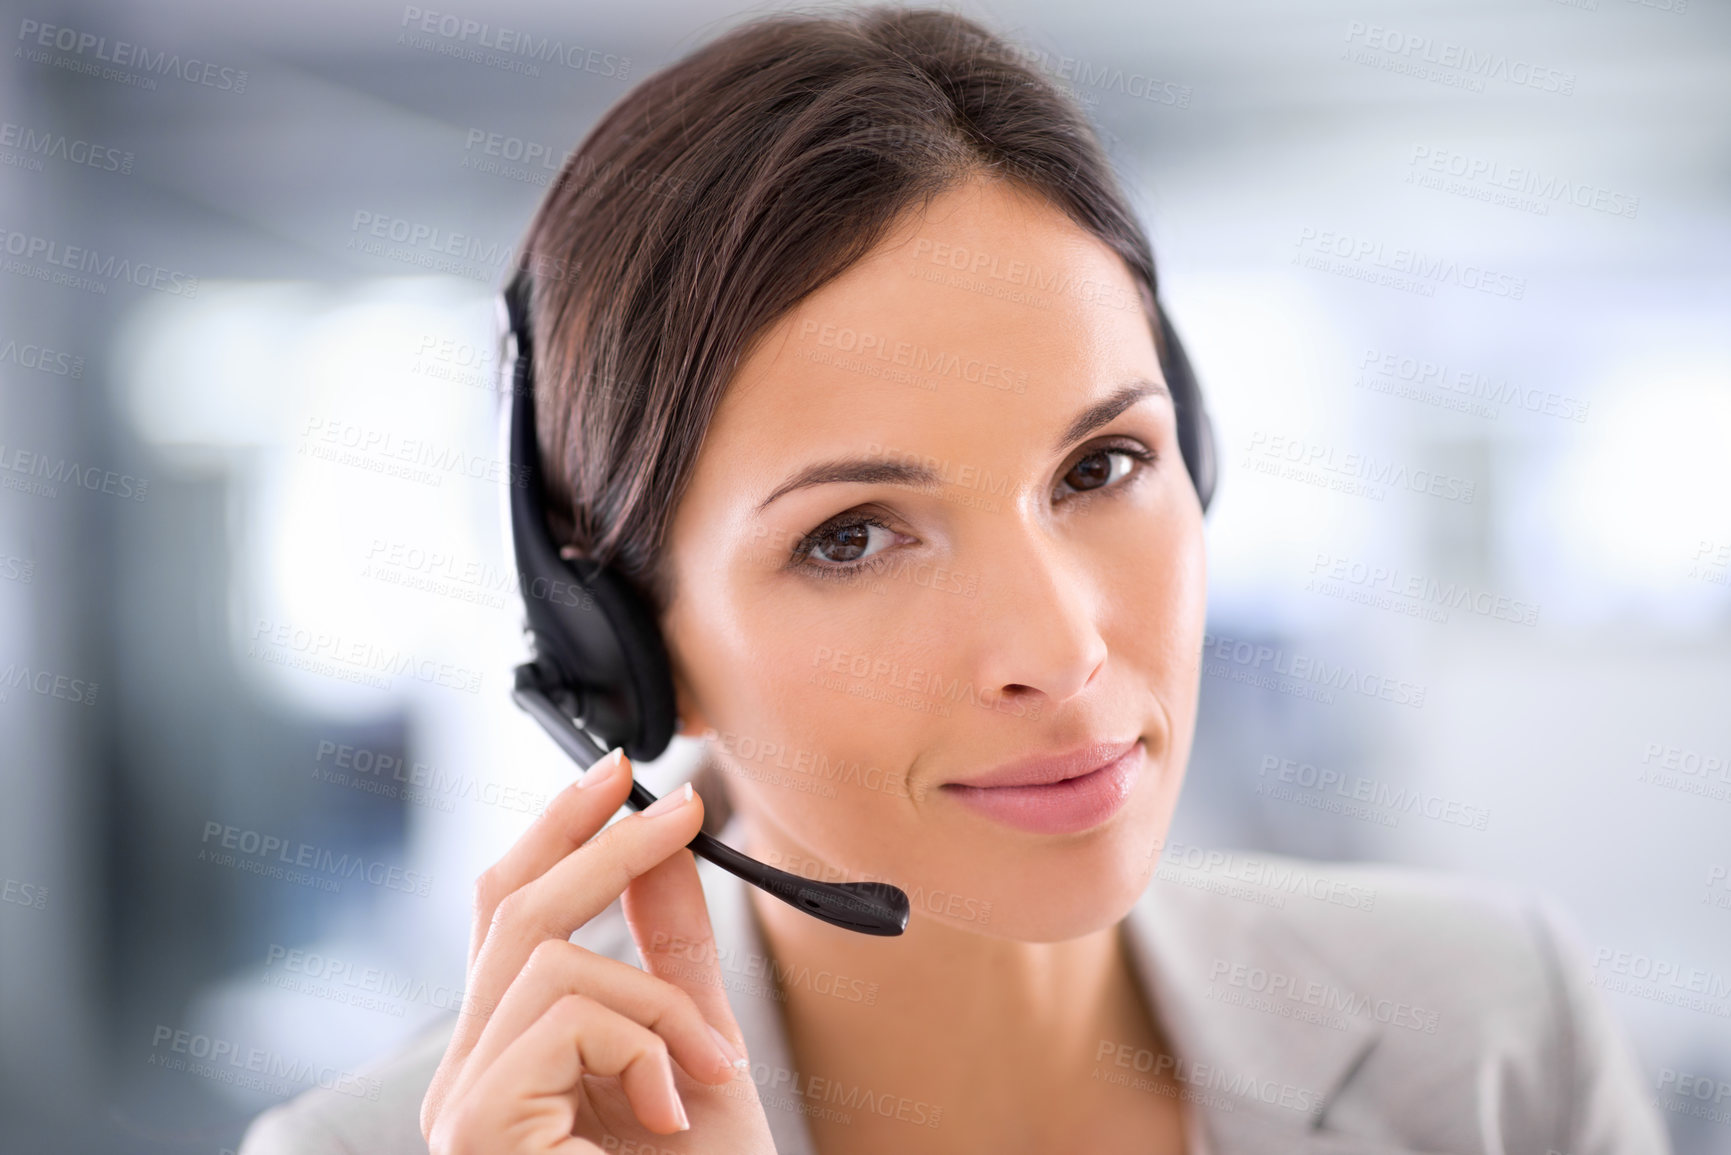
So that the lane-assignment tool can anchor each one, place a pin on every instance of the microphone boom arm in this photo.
(867, 907)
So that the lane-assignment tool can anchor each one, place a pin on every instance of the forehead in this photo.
(987, 320)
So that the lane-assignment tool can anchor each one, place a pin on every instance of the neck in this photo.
(950, 1017)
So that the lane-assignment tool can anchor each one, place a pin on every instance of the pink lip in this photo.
(1061, 795)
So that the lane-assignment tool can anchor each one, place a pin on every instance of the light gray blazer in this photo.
(1313, 1009)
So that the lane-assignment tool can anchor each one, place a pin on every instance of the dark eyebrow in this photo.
(1103, 411)
(866, 471)
(860, 470)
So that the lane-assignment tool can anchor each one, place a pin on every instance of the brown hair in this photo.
(725, 188)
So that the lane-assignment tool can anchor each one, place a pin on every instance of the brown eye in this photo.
(1103, 467)
(844, 542)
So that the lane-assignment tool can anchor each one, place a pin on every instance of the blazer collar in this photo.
(1260, 1079)
(1251, 1009)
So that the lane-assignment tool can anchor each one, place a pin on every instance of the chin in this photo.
(1065, 890)
(1049, 888)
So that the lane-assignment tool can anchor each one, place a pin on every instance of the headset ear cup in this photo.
(604, 645)
(1207, 459)
(1195, 430)
(622, 639)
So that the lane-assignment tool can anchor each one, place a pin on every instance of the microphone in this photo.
(868, 907)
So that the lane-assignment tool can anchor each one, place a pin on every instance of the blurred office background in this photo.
(1506, 285)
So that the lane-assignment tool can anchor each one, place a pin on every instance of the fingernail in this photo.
(678, 1104)
(728, 1050)
(604, 769)
(671, 802)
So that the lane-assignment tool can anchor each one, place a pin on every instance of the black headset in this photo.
(600, 676)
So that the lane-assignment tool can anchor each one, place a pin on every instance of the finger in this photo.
(556, 969)
(574, 1037)
(570, 820)
(669, 920)
(577, 888)
(572, 892)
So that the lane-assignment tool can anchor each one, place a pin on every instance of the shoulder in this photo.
(1434, 930)
(1471, 1001)
(1462, 941)
(387, 1120)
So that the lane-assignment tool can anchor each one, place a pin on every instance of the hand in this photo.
(559, 1049)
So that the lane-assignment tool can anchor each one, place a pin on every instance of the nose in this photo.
(1036, 632)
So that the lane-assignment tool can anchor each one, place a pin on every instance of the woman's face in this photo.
(939, 526)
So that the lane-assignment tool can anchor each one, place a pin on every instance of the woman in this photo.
(848, 359)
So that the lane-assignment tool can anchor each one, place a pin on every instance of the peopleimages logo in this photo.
(34, 145)
(36, 38)
(42, 475)
(418, 234)
(1397, 374)
(254, 1068)
(47, 683)
(411, 458)
(391, 776)
(924, 362)
(259, 853)
(1521, 181)
(1415, 595)
(41, 359)
(1360, 474)
(353, 659)
(1272, 877)
(1327, 997)
(1688, 771)
(816, 1095)
(1662, 980)
(1236, 1086)
(28, 247)
(1446, 62)
(772, 977)
(1407, 269)
(1699, 1096)
(341, 980)
(1082, 74)
(1302, 668)
(485, 43)
(409, 566)
(1386, 796)
(976, 270)
(24, 894)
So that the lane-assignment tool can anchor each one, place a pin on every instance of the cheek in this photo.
(1159, 594)
(779, 660)
(796, 699)
(1188, 606)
